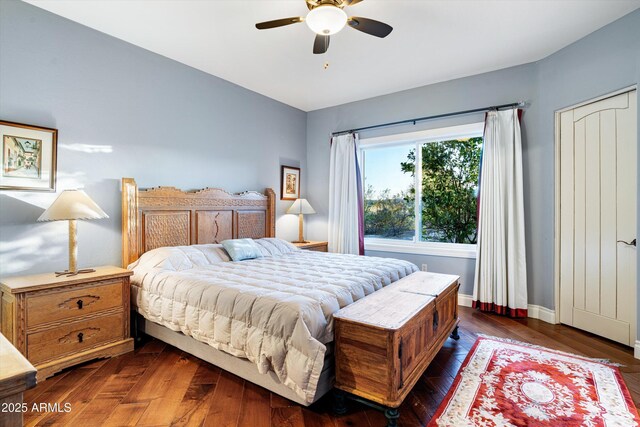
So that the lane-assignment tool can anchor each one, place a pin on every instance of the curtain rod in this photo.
(438, 116)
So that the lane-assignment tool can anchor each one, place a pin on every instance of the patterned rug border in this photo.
(539, 347)
(445, 402)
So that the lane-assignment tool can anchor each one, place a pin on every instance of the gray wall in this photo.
(463, 267)
(124, 111)
(604, 61)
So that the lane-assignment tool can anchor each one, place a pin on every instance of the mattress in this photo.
(275, 311)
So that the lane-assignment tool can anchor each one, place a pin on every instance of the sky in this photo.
(382, 168)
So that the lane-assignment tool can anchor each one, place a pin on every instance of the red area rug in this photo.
(509, 383)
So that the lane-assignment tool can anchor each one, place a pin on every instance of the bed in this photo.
(267, 320)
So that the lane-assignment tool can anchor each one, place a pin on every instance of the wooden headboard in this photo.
(166, 216)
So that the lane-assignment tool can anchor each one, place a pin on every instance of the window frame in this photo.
(419, 138)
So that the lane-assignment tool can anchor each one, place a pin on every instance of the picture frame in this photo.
(28, 157)
(289, 183)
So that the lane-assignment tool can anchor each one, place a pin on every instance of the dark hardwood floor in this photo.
(158, 385)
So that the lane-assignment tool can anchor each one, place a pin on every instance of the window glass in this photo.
(389, 196)
(450, 190)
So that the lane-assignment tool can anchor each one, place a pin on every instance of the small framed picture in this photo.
(290, 183)
(28, 158)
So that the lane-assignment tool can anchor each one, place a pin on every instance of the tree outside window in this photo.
(448, 195)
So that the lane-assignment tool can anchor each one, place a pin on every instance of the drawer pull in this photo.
(80, 301)
(78, 335)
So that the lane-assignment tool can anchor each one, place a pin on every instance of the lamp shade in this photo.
(70, 205)
(326, 19)
(301, 206)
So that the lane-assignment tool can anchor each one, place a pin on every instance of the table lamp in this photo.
(300, 207)
(72, 205)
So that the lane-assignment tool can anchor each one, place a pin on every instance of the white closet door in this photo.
(597, 216)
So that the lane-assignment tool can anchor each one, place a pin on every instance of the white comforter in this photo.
(276, 311)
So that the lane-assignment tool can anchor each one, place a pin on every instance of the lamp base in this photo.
(301, 241)
(74, 273)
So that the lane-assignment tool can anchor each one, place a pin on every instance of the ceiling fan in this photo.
(327, 17)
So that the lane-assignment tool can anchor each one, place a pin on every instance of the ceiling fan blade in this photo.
(278, 23)
(321, 44)
(370, 26)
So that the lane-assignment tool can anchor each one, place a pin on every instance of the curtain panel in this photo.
(346, 205)
(501, 269)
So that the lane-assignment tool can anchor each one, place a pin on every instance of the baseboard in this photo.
(533, 311)
(465, 300)
(541, 313)
(636, 350)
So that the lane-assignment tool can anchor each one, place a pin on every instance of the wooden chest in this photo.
(385, 341)
(56, 322)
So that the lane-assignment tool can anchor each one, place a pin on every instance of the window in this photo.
(421, 190)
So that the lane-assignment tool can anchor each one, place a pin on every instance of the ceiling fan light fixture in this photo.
(326, 20)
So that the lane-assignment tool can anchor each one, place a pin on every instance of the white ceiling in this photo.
(432, 40)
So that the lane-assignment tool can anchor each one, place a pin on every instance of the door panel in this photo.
(579, 222)
(615, 102)
(592, 213)
(608, 217)
(601, 325)
(597, 210)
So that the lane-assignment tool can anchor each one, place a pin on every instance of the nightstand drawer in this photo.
(73, 337)
(73, 303)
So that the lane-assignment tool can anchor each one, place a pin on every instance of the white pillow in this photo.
(271, 246)
(178, 258)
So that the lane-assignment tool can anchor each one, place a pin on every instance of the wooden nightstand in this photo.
(57, 322)
(314, 246)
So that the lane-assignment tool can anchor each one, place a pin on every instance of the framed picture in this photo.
(290, 183)
(28, 158)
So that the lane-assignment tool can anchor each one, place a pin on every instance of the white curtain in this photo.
(343, 195)
(501, 267)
